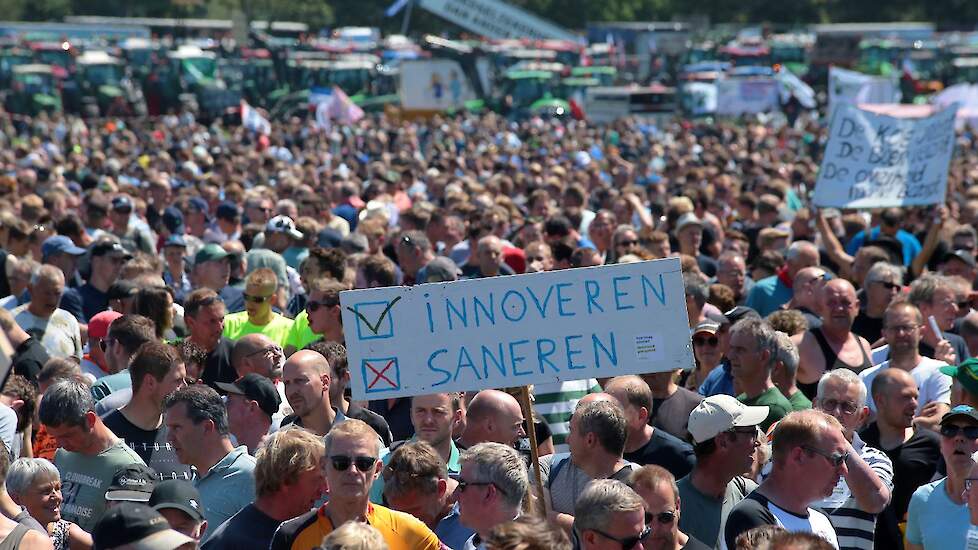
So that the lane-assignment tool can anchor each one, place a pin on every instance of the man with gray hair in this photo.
(772, 292)
(89, 454)
(934, 295)
(752, 354)
(54, 327)
(785, 371)
(491, 487)
(882, 284)
(610, 511)
(598, 431)
(863, 490)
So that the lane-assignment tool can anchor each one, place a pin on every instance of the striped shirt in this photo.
(555, 403)
(853, 526)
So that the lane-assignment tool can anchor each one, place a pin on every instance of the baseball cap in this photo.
(740, 313)
(210, 252)
(961, 411)
(132, 483)
(175, 240)
(121, 289)
(329, 238)
(710, 327)
(719, 413)
(966, 374)
(282, 224)
(173, 219)
(98, 325)
(438, 270)
(198, 204)
(109, 248)
(59, 244)
(256, 388)
(122, 203)
(178, 495)
(227, 210)
(963, 255)
(138, 527)
(687, 219)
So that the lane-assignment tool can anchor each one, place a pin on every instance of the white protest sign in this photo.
(496, 19)
(876, 161)
(511, 331)
(847, 86)
(738, 96)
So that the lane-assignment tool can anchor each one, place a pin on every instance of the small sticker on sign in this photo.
(647, 347)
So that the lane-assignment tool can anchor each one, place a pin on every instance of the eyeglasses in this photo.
(627, 543)
(256, 299)
(362, 463)
(664, 518)
(745, 430)
(274, 350)
(952, 430)
(313, 306)
(901, 328)
(104, 344)
(463, 485)
(712, 341)
(889, 286)
(829, 405)
(835, 459)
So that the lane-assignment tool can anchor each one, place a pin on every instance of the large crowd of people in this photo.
(170, 293)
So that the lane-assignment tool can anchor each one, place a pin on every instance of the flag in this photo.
(395, 8)
(252, 119)
(336, 106)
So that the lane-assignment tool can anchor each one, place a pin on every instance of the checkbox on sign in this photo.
(374, 319)
(381, 374)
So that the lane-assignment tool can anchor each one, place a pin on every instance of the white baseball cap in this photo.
(719, 413)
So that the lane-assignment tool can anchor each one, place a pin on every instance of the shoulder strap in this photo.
(13, 538)
(559, 461)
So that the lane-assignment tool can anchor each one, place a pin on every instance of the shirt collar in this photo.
(228, 460)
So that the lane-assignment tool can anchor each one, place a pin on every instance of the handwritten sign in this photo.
(510, 331)
(738, 96)
(874, 160)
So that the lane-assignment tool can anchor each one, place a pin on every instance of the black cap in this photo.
(256, 388)
(961, 411)
(136, 524)
(962, 255)
(109, 247)
(134, 483)
(739, 313)
(122, 289)
(177, 494)
(122, 203)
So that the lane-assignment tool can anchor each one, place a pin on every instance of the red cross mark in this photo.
(381, 374)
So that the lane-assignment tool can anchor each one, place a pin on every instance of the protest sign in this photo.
(847, 86)
(512, 331)
(739, 96)
(873, 160)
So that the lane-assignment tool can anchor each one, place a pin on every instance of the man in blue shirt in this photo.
(889, 227)
(770, 293)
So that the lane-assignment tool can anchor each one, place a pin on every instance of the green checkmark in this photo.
(374, 328)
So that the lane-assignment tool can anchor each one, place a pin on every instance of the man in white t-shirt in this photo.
(902, 325)
(810, 455)
(55, 328)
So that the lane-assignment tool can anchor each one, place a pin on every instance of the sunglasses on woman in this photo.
(362, 463)
(711, 341)
(952, 430)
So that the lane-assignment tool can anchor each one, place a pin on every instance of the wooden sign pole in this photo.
(527, 406)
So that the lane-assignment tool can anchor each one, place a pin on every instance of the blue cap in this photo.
(59, 244)
(175, 240)
(122, 203)
(329, 238)
(173, 220)
(228, 210)
(199, 204)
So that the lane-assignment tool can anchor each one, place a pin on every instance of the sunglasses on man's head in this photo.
(362, 463)
(952, 430)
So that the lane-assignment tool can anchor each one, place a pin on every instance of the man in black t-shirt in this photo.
(645, 444)
(915, 453)
(156, 371)
(203, 311)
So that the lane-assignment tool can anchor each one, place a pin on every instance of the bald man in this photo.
(770, 293)
(914, 452)
(258, 354)
(807, 287)
(487, 261)
(492, 416)
(56, 329)
(306, 379)
(833, 345)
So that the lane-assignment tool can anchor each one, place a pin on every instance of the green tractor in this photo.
(34, 89)
(529, 93)
(193, 82)
(105, 88)
(10, 57)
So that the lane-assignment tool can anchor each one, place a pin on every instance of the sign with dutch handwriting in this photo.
(875, 161)
(523, 329)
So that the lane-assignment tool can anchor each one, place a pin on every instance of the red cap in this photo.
(515, 258)
(98, 326)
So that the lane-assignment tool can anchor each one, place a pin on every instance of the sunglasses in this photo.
(665, 518)
(104, 344)
(889, 286)
(629, 242)
(835, 459)
(952, 430)
(628, 542)
(256, 299)
(275, 350)
(362, 463)
(313, 306)
(462, 484)
(712, 341)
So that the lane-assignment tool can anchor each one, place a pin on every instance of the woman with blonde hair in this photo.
(354, 535)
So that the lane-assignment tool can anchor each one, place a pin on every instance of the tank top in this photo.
(832, 362)
(13, 538)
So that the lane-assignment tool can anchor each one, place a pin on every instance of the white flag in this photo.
(252, 119)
